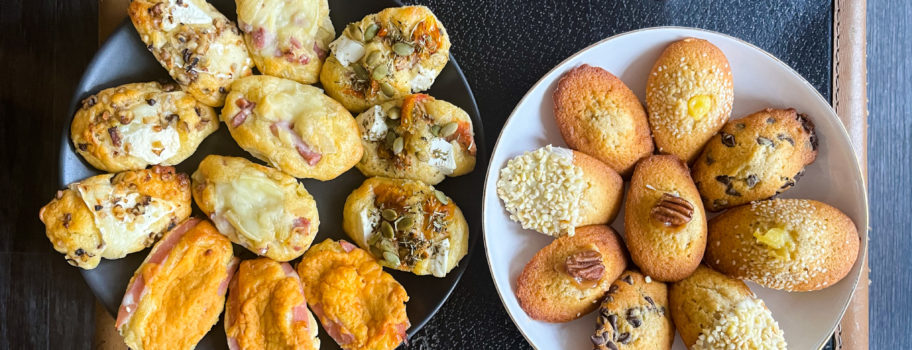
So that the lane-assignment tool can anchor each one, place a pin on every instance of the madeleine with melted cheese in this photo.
(262, 209)
(359, 305)
(266, 308)
(112, 215)
(407, 225)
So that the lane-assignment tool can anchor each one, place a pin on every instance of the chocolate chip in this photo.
(635, 322)
(151, 101)
(765, 141)
(628, 279)
(612, 346)
(624, 338)
(732, 192)
(724, 179)
(798, 175)
(98, 207)
(599, 339)
(650, 301)
(784, 137)
(752, 180)
(728, 139)
(601, 320)
(770, 120)
(709, 160)
(808, 126)
(612, 289)
(788, 183)
(83, 146)
(613, 321)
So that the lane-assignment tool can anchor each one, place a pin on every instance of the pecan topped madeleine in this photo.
(418, 137)
(201, 49)
(407, 225)
(287, 39)
(112, 215)
(386, 55)
(132, 126)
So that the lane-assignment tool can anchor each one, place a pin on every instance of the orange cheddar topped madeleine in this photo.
(266, 308)
(359, 305)
(177, 294)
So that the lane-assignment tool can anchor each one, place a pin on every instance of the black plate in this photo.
(124, 59)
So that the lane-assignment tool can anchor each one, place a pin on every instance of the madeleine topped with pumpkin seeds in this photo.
(407, 225)
(386, 55)
(689, 96)
(418, 138)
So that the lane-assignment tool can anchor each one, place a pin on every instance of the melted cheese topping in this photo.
(442, 155)
(346, 50)
(440, 253)
(143, 142)
(121, 219)
(254, 206)
(367, 220)
(187, 13)
(423, 79)
(749, 325)
(373, 124)
(542, 190)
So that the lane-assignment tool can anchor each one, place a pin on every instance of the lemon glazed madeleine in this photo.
(689, 96)
(598, 115)
(262, 209)
(417, 137)
(787, 244)
(407, 225)
(201, 49)
(552, 190)
(132, 126)
(287, 39)
(112, 215)
(386, 55)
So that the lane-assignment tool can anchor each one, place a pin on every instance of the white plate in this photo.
(761, 80)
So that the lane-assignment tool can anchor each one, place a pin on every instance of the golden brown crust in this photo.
(663, 252)
(601, 201)
(818, 247)
(696, 300)
(754, 158)
(258, 207)
(634, 315)
(111, 215)
(598, 115)
(546, 292)
(199, 47)
(689, 96)
(132, 126)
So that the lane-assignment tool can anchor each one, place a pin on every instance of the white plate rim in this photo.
(863, 254)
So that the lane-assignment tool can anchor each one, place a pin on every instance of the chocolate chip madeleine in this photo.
(634, 315)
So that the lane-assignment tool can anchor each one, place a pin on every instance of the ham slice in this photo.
(310, 155)
(246, 107)
(299, 312)
(332, 327)
(348, 247)
(158, 256)
(232, 268)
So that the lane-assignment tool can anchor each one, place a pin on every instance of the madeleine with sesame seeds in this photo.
(598, 115)
(713, 311)
(689, 96)
(664, 219)
(795, 245)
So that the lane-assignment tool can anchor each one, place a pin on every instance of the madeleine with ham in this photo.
(266, 308)
(293, 127)
(358, 304)
(178, 292)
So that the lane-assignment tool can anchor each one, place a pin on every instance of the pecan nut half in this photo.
(672, 210)
(586, 265)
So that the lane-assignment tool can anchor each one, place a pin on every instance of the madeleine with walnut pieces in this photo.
(568, 277)
(664, 218)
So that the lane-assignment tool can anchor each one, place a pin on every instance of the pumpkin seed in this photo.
(374, 58)
(390, 138)
(388, 90)
(371, 31)
(435, 130)
(386, 229)
(360, 72)
(389, 214)
(355, 32)
(373, 239)
(380, 72)
(394, 113)
(448, 129)
(391, 258)
(423, 156)
(405, 223)
(398, 145)
(441, 197)
(403, 49)
(387, 245)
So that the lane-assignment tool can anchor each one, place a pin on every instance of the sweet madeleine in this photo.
(789, 244)
(689, 96)
(664, 220)
(568, 277)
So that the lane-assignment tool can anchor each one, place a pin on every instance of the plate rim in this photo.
(865, 224)
(126, 26)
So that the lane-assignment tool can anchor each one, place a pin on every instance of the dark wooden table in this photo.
(504, 47)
